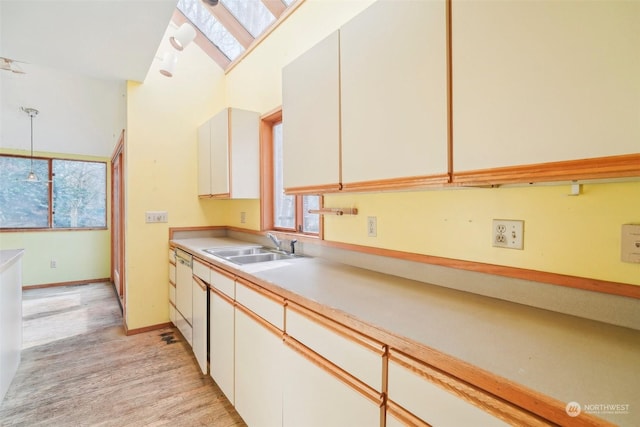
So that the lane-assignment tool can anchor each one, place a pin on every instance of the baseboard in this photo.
(70, 283)
(128, 331)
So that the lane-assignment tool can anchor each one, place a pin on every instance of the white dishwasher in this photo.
(184, 292)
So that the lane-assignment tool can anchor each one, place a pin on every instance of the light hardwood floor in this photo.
(79, 369)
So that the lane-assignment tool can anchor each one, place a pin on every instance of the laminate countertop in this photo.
(8, 256)
(564, 357)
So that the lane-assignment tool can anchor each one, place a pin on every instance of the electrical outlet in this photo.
(53, 264)
(156, 216)
(243, 217)
(372, 226)
(508, 233)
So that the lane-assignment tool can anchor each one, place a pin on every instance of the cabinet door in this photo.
(394, 92)
(245, 154)
(313, 396)
(258, 371)
(221, 351)
(311, 118)
(204, 159)
(200, 323)
(544, 81)
(220, 153)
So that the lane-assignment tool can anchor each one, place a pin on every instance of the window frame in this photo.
(267, 122)
(50, 207)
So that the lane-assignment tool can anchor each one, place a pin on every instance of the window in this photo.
(68, 194)
(283, 212)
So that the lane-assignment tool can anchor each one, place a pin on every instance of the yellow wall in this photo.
(80, 255)
(163, 115)
(574, 235)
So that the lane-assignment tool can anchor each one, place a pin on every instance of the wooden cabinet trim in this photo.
(222, 295)
(268, 326)
(414, 182)
(222, 272)
(369, 343)
(403, 415)
(274, 297)
(172, 283)
(172, 304)
(335, 371)
(622, 166)
(319, 189)
(204, 286)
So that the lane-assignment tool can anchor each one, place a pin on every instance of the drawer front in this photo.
(172, 273)
(172, 256)
(358, 355)
(223, 283)
(172, 293)
(265, 307)
(184, 327)
(202, 271)
(431, 403)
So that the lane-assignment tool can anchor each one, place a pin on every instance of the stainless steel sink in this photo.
(235, 252)
(249, 255)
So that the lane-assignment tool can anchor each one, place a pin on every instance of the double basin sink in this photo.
(250, 254)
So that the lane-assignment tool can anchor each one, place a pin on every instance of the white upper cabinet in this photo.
(369, 103)
(311, 118)
(544, 81)
(394, 92)
(229, 155)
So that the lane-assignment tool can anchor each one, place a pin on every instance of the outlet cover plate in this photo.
(372, 226)
(156, 216)
(508, 233)
(630, 243)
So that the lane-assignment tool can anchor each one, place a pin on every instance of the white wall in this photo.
(78, 115)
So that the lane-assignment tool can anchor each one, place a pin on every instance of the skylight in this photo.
(232, 26)
(200, 16)
(252, 14)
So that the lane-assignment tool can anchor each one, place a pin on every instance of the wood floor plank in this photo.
(79, 369)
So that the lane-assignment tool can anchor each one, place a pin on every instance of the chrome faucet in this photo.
(275, 240)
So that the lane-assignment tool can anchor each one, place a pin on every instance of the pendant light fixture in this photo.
(32, 112)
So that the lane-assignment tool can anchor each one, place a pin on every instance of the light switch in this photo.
(630, 247)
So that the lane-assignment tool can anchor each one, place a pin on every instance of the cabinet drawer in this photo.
(263, 303)
(172, 273)
(358, 355)
(421, 390)
(223, 282)
(202, 271)
(172, 256)
(172, 293)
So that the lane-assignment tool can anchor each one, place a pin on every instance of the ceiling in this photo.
(107, 39)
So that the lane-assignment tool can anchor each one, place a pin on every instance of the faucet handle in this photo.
(293, 246)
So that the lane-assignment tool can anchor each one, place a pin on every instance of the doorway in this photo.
(117, 222)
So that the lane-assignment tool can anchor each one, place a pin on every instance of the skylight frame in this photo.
(223, 16)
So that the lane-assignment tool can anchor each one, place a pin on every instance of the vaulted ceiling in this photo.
(114, 39)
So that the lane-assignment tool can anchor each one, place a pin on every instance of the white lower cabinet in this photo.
(221, 341)
(314, 396)
(258, 371)
(421, 391)
(199, 315)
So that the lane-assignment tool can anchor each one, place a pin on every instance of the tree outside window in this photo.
(68, 193)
